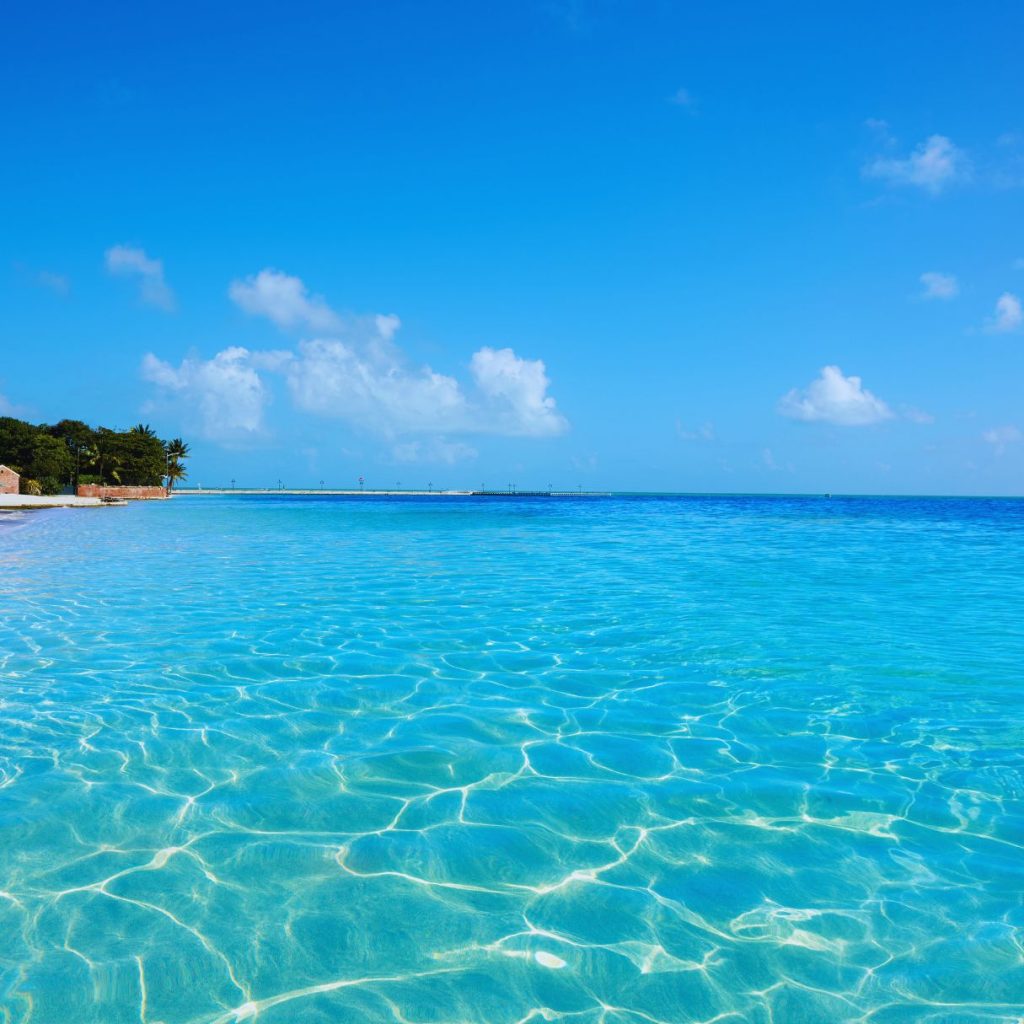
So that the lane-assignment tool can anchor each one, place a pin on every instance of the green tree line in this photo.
(69, 453)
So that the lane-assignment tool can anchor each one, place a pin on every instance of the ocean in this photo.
(639, 759)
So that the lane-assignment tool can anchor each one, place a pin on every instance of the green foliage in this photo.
(129, 458)
(16, 441)
(51, 462)
(48, 457)
(176, 451)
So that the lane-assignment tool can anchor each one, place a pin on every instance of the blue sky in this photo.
(631, 246)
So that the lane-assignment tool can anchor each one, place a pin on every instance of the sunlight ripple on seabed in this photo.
(616, 761)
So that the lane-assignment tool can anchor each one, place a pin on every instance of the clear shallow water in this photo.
(638, 760)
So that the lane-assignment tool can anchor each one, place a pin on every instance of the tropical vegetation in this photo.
(52, 457)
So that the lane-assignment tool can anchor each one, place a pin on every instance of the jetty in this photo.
(394, 492)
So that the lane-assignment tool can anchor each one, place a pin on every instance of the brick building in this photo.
(9, 481)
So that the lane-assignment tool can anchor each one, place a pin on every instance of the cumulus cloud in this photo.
(1000, 437)
(126, 261)
(939, 286)
(834, 398)
(517, 393)
(370, 386)
(226, 392)
(369, 383)
(1008, 315)
(361, 376)
(935, 164)
(284, 300)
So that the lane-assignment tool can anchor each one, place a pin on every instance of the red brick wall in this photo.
(8, 481)
(104, 491)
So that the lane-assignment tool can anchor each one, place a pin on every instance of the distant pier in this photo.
(392, 493)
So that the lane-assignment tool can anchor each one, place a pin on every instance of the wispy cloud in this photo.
(436, 450)
(283, 299)
(683, 98)
(933, 166)
(127, 261)
(1001, 437)
(835, 398)
(56, 283)
(915, 415)
(939, 286)
(1008, 315)
(705, 432)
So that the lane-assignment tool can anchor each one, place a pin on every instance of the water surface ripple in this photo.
(629, 760)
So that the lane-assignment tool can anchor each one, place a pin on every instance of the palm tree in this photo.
(177, 451)
(144, 429)
(175, 472)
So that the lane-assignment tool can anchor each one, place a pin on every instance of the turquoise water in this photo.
(625, 760)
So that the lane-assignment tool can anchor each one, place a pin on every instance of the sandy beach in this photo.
(21, 501)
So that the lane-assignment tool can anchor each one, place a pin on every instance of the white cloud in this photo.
(226, 391)
(57, 283)
(126, 261)
(933, 165)
(939, 286)
(517, 392)
(909, 412)
(1008, 315)
(1000, 437)
(705, 432)
(362, 377)
(683, 98)
(833, 398)
(7, 408)
(369, 385)
(367, 382)
(284, 300)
